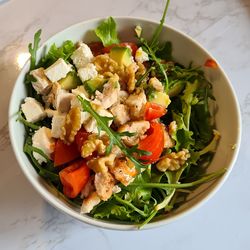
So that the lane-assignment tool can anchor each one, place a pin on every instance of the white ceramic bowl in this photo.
(185, 49)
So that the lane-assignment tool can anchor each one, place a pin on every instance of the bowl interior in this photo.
(185, 50)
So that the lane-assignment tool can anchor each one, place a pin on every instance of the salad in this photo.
(120, 129)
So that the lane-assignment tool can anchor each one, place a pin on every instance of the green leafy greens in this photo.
(107, 33)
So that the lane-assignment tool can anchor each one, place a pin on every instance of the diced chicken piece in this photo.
(91, 126)
(33, 110)
(50, 112)
(141, 56)
(117, 151)
(43, 140)
(120, 113)
(81, 91)
(57, 70)
(88, 188)
(156, 84)
(90, 202)
(82, 56)
(58, 121)
(85, 117)
(88, 72)
(137, 127)
(42, 85)
(110, 93)
(123, 171)
(104, 184)
(63, 100)
(136, 103)
(123, 96)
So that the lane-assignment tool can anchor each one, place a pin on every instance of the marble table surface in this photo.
(28, 222)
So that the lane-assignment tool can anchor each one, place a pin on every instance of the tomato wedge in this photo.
(211, 63)
(131, 45)
(153, 111)
(65, 153)
(80, 138)
(96, 48)
(154, 143)
(74, 178)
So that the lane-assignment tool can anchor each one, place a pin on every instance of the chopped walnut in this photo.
(123, 170)
(172, 127)
(101, 164)
(92, 144)
(104, 184)
(173, 161)
(131, 70)
(168, 141)
(72, 125)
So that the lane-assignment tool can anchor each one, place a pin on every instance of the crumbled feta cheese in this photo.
(88, 72)
(42, 85)
(43, 140)
(141, 56)
(33, 110)
(57, 70)
(82, 56)
(58, 121)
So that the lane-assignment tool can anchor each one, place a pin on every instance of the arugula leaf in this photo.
(114, 137)
(182, 136)
(107, 33)
(204, 179)
(165, 52)
(155, 39)
(46, 173)
(188, 100)
(211, 147)
(33, 50)
(21, 119)
(54, 53)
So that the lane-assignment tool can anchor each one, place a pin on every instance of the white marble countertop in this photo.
(28, 222)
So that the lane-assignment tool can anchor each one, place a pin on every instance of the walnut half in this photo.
(173, 161)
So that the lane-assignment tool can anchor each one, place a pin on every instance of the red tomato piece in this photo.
(74, 178)
(65, 153)
(154, 111)
(154, 143)
(96, 48)
(211, 63)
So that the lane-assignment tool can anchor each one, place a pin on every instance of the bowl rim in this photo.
(96, 222)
